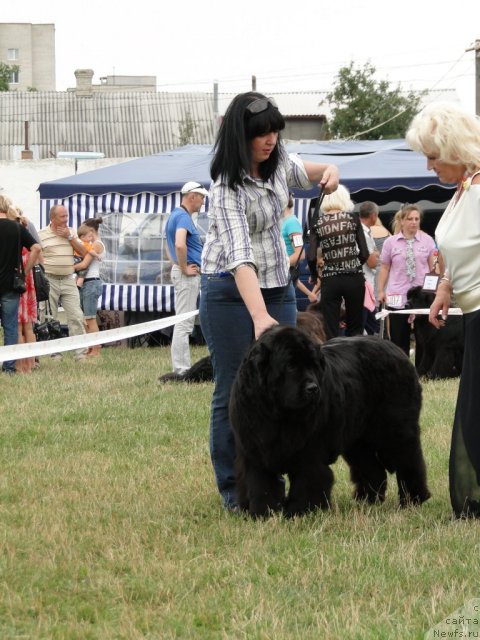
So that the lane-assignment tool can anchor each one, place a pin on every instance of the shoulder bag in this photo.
(19, 284)
(42, 285)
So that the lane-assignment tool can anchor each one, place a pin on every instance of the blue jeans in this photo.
(9, 317)
(228, 330)
(89, 294)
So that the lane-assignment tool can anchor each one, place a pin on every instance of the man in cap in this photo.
(185, 250)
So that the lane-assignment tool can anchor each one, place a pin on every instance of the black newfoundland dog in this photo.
(439, 352)
(297, 405)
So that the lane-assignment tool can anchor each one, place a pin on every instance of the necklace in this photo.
(462, 185)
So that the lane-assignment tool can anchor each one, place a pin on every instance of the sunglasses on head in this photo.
(260, 104)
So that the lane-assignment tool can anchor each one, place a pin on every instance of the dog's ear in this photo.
(260, 357)
(320, 358)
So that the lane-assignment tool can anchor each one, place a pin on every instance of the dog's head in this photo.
(311, 323)
(286, 364)
(418, 299)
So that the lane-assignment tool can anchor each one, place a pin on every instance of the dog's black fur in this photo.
(202, 371)
(297, 405)
(439, 352)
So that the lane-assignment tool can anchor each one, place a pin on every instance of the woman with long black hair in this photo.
(245, 285)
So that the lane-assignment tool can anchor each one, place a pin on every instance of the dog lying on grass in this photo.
(297, 405)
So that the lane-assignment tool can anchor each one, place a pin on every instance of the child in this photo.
(85, 234)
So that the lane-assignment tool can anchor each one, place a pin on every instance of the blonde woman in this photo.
(342, 242)
(449, 137)
(406, 257)
(27, 305)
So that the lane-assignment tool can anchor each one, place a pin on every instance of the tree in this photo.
(367, 108)
(187, 129)
(6, 74)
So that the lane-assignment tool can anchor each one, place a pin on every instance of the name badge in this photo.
(297, 240)
(430, 282)
(394, 300)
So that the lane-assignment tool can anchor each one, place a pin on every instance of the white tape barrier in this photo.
(454, 311)
(32, 349)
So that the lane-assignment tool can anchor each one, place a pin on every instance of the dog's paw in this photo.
(415, 500)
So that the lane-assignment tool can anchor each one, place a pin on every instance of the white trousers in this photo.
(187, 289)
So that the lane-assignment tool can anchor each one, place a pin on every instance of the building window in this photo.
(12, 54)
(14, 77)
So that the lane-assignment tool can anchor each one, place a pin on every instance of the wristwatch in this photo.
(70, 237)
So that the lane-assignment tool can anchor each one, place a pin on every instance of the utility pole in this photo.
(216, 116)
(254, 83)
(476, 48)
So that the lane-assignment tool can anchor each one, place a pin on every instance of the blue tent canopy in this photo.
(386, 168)
(135, 198)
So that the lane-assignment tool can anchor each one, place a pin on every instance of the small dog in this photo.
(297, 405)
(439, 351)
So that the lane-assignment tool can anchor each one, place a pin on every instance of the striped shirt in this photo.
(57, 253)
(244, 225)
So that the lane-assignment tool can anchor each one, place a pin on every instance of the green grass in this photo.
(111, 526)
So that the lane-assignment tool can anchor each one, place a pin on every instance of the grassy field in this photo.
(111, 527)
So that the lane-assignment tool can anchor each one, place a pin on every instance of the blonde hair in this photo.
(12, 213)
(401, 214)
(339, 199)
(23, 219)
(5, 203)
(446, 131)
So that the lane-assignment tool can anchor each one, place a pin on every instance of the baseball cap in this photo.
(193, 187)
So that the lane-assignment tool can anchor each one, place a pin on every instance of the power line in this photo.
(361, 133)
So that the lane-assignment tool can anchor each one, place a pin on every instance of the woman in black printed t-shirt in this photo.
(339, 234)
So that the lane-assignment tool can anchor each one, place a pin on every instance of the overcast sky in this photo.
(288, 46)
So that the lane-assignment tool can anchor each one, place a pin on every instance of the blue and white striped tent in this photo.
(124, 194)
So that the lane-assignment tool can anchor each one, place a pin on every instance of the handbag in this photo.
(42, 285)
(19, 283)
(51, 329)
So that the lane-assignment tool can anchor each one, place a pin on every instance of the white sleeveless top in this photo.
(458, 238)
(94, 267)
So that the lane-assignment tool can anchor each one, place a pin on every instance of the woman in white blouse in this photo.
(450, 139)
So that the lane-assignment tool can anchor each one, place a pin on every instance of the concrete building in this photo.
(31, 47)
(111, 84)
